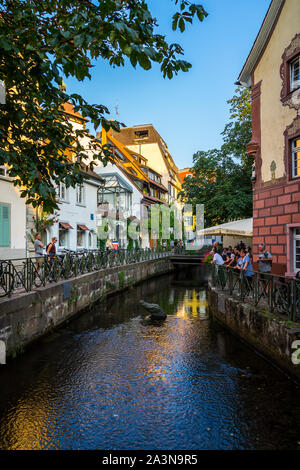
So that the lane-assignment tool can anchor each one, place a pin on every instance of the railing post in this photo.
(293, 301)
(28, 275)
(230, 280)
(242, 286)
(271, 294)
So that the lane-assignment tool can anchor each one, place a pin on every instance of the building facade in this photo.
(13, 219)
(184, 173)
(272, 70)
(144, 140)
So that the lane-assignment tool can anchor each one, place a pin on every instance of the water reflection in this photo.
(109, 381)
(194, 303)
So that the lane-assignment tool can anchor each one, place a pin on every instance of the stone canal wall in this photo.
(269, 334)
(26, 317)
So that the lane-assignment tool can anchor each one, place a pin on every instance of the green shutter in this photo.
(4, 225)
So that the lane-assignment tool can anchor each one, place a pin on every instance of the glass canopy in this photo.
(116, 192)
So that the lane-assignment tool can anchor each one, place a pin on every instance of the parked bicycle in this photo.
(6, 279)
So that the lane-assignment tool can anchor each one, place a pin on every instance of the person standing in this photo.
(234, 258)
(264, 262)
(217, 259)
(244, 264)
(38, 249)
(51, 250)
(108, 245)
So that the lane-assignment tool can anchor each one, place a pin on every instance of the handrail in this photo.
(278, 294)
(30, 273)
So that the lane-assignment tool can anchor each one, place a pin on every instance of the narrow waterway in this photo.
(109, 380)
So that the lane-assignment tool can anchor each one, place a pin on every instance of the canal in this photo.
(111, 380)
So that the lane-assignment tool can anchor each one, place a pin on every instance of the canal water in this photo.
(110, 380)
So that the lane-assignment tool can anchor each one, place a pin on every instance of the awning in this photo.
(65, 225)
(238, 227)
(82, 227)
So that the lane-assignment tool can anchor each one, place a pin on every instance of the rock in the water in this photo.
(156, 312)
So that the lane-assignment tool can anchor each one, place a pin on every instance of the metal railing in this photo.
(26, 274)
(278, 294)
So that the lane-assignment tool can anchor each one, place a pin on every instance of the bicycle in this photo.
(6, 279)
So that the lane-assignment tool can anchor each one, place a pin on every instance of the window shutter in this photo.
(4, 225)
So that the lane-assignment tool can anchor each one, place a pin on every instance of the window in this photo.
(62, 191)
(4, 225)
(63, 237)
(295, 74)
(80, 194)
(297, 250)
(141, 134)
(290, 73)
(2, 170)
(80, 237)
(116, 193)
(91, 236)
(296, 157)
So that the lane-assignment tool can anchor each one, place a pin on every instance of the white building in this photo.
(75, 226)
(122, 198)
(12, 219)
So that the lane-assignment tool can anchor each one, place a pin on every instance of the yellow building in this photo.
(144, 140)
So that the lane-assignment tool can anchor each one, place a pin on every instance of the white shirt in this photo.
(218, 259)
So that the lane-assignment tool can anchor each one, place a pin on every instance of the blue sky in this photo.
(189, 111)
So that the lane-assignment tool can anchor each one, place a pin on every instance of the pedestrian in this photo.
(214, 248)
(38, 249)
(249, 253)
(264, 264)
(242, 245)
(245, 265)
(108, 245)
(264, 260)
(224, 253)
(51, 250)
(234, 258)
(217, 259)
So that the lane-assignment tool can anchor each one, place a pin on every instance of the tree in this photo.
(222, 177)
(41, 41)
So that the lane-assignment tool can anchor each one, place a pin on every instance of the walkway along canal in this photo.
(110, 380)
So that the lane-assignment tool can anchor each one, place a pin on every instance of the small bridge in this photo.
(187, 260)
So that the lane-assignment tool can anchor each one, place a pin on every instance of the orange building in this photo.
(183, 173)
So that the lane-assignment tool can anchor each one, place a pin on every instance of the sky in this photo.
(190, 111)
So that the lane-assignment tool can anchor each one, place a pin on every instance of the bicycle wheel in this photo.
(6, 284)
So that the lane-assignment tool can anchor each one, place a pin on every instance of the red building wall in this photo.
(274, 209)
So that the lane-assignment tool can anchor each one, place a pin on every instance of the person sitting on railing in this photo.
(244, 264)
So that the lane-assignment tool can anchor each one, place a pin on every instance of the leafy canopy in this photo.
(41, 41)
(222, 177)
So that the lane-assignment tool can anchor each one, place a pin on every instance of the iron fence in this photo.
(26, 274)
(278, 294)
